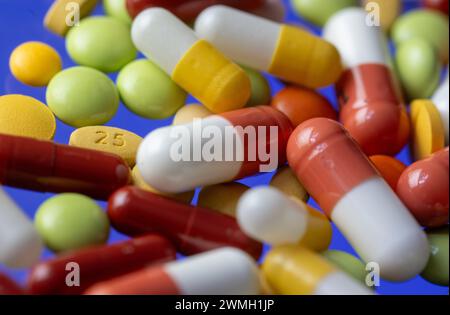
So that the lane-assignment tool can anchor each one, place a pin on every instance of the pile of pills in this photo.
(177, 191)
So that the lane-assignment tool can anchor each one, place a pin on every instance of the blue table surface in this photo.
(21, 21)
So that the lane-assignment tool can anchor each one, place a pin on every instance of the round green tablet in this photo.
(101, 42)
(71, 221)
(117, 9)
(148, 91)
(429, 25)
(260, 88)
(82, 96)
(347, 263)
(436, 270)
(418, 67)
(319, 11)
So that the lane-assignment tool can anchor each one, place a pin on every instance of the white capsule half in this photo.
(340, 283)
(441, 100)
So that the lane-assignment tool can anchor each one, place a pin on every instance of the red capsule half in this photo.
(8, 286)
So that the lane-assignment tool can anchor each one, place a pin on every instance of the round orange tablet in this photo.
(390, 168)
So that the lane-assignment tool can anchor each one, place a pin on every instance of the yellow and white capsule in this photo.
(194, 64)
(295, 270)
(287, 52)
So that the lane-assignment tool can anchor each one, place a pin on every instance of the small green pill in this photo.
(102, 42)
(319, 11)
(82, 96)
(71, 221)
(418, 67)
(148, 91)
(261, 94)
(347, 263)
(117, 9)
(436, 270)
(429, 25)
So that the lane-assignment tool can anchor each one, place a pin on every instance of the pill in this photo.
(418, 67)
(101, 42)
(82, 96)
(441, 101)
(194, 64)
(350, 191)
(148, 91)
(423, 188)
(271, 9)
(34, 63)
(300, 104)
(9, 287)
(117, 9)
(99, 263)
(268, 215)
(368, 94)
(20, 244)
(384, 12)
(45, 166)
(389, 167)
(429, 25)
(187, 10)
(261, 93)
(436, 270)
(108, 139)
(188, 113)
(347, 263)
(23, 115)
(319, 11)
(138, 181)
(165, 161)
(285, 180)
(135, 212)
(295, 270)
(439, 5)
(284, 51)
(229, 271)
(61, 16)
(428, 134)
(71, 221)
(222, 197)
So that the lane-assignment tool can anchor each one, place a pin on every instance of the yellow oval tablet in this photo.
(286, 181)
(428, 135)
(222, 197)
(22, 115)
(108, 139)
(188, 113)
(138, 181)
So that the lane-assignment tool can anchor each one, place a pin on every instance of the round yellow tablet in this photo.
(428, 135)
(222, 197)
(286, 181)
(138, 181)
(188, 113)
(108, 139)
(34, 63)
(22, 115)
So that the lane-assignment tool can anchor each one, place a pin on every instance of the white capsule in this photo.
(441, 100)
(273, 10)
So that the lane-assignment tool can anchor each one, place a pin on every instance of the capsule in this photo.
(267, 215)
(48, 167)
(225, 271)
(8, 286)
(192, 229)
(368, 91)
(99, 263)
(20, 244)
(423, 188)
(287, 52)
(192, 63)
(175, 159)
(351, 192)
(441, 100)
(295, 270)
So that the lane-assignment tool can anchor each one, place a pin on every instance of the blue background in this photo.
(21, 21)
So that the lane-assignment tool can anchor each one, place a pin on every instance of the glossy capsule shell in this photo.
(20, 243)
(423, 188)
(8, 286)
(192, 229)
(287, 52)
(368, 92)
(339, 176)
(188, 168)
(49, 167)
(294, 270)
(268, 215)
(194, 64)
(225, 271)
(99, 263)
(441, 101)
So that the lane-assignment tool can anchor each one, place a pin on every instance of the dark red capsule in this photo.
(8, 286)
